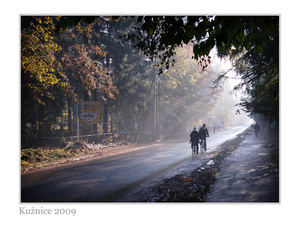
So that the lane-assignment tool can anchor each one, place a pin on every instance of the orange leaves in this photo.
(98, 51)
(44, 65)
(187, 179)
(83, 69)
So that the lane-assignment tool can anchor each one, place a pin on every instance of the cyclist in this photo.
(194, 138)
(203, 132)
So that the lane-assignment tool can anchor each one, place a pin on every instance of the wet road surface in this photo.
(108, 179)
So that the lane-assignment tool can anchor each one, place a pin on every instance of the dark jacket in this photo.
(203, 132)
(195, 136)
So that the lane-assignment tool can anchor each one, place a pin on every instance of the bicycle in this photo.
(202, 147)
(194, 149)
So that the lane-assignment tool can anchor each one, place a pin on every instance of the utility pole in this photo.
(155, 111)
(77, 121)
(77, 111)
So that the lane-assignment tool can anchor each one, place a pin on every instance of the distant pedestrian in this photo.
(203, 132)
(257, 129)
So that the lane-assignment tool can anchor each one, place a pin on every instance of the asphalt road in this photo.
(109, 179)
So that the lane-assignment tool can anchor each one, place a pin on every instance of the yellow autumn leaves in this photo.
(38, 60)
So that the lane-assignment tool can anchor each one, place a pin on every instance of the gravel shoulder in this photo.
(88, 152)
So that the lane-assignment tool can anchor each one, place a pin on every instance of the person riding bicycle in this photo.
(194, 138)
(203, 133)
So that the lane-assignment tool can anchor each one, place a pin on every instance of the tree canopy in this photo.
(117, 60)
(158, 36)
(249, 40)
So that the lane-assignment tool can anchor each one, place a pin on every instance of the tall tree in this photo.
(39, 64)
(82, 67)
(186, 91)
(52, 66)
(260, 75)
(255, 37)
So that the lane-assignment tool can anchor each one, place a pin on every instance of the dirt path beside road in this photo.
(249, 174)
(245, 169)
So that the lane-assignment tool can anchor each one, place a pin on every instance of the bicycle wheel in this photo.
(202, 148)
(194, 151)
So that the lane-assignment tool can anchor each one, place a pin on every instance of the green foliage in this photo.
(260, 74)
(34, 157)
(117, 59)
(56, 70)
(185, 90)
(165, 33)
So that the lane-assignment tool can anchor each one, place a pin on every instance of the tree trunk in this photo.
(105, 106)
(105, 117)
(95, 98)
(70, 124)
